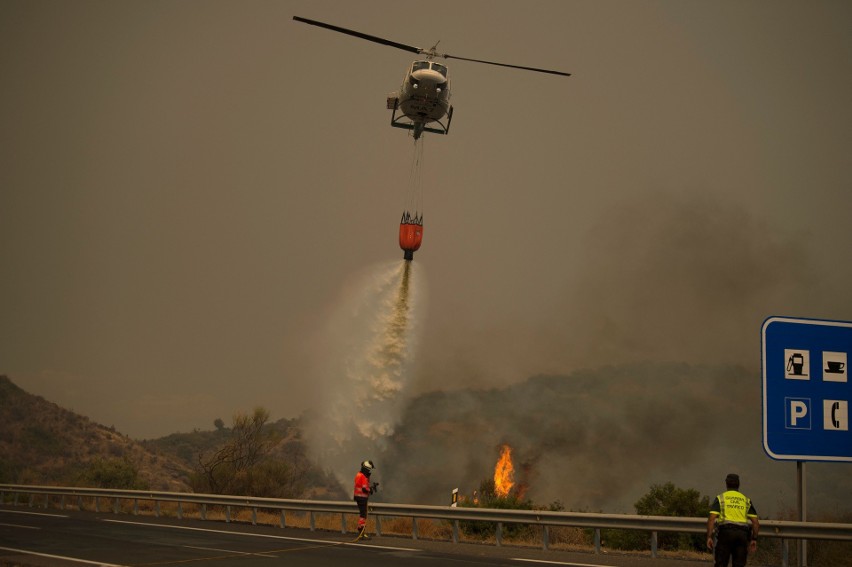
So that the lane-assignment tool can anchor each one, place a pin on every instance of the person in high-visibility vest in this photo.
(363, 490)
(734, 521)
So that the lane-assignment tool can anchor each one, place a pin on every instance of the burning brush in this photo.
(504, 473)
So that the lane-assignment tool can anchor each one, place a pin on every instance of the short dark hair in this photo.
(732, 480)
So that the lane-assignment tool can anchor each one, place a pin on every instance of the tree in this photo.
(218, 424)
(666, 500)
(669, 500)
(238, 466)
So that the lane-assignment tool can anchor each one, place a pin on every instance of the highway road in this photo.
(65, 538)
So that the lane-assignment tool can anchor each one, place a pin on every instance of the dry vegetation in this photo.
(43, 443)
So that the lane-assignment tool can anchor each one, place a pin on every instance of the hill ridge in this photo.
(44, 443)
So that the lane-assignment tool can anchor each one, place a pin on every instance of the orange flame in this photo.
(504, 473)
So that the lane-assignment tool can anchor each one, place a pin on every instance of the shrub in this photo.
(664, 500)
(112, 473)
(8, 472)
(489, 499)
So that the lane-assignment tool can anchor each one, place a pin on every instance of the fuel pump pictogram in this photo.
(797, 363)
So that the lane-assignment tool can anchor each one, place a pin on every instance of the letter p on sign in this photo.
(798, 414)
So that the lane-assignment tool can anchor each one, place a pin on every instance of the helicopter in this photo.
(422, 103)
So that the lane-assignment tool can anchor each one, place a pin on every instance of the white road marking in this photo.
(300, 539)
(74, 559)
(568, 563)
(34, 513)
(20, 526)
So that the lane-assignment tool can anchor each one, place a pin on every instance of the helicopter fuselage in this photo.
(423, 99)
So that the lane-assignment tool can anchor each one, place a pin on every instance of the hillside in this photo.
(305, 479)
(597, 440)
(593, 440)
(43, 443)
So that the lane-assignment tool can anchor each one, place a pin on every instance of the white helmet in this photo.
(367, 466)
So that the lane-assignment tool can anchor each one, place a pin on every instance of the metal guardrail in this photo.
(785, 530)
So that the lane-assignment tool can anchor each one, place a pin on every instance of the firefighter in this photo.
(363, 490)
(734, 519)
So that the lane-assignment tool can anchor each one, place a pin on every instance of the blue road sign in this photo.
(806, 391)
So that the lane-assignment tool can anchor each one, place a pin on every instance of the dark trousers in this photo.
(362, 508)
(732, 544)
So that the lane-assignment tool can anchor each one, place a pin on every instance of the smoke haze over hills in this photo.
(596, 440)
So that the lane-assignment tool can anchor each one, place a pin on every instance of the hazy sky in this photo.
(189, 190)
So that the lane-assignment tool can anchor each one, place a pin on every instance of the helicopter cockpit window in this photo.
(440, 68)
(419, 65)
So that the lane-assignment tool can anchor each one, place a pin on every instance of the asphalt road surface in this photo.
(54, 538)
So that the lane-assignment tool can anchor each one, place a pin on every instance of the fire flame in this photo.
(504, 473)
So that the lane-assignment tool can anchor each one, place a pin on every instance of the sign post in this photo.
(806, 395)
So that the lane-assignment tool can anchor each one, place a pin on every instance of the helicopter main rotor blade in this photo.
(418, 50)
(368, 37)
(551, 72)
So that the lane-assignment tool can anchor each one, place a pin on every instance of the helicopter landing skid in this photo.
(398, 121)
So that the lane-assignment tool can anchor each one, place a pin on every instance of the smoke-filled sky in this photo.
(190, 190)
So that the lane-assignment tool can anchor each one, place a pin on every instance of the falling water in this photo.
(368, 360)
(377, 376)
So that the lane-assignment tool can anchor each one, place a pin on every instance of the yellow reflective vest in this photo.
(733, 507)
